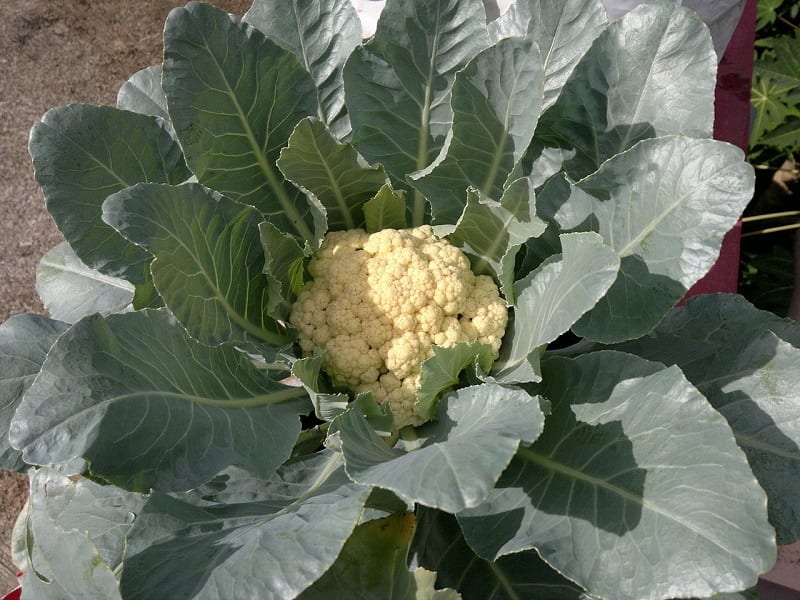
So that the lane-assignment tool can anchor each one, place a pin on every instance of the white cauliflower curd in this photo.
(379, 302)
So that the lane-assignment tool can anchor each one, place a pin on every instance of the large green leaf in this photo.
(564, 31)
(746, 362)
(271, 547)
(551, 299)
(496, 101)
(25, 341)
(372, 566)
(148, 407)
(322, 36)
(636, 488)
(491, 232)
(460, 456)
(70, 538)
(234, 98)
(649, 74)
(333, 172)
(398, 85)
(209, 260)
(81, 155)
(439, 545)
(667, 230)
(142, 93)
(70, 290)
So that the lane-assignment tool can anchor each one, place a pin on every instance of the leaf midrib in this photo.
(554, 466)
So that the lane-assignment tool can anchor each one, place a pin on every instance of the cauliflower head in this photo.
(378, 303)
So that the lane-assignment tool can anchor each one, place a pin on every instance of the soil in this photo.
(55, 53)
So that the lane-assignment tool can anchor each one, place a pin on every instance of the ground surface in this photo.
(54, 53)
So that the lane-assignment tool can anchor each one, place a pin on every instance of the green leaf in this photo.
(284, 262)
(784, 137)
(385, 210)
(462, 454)
(272, 546)
(398, 84)
(149, 408)
(634, 467)
(564, 31)
(443, 370)
(322, 36)
(745, 361)
(775, 96)
(70, 538)
(649, 74)
(333, 172)
(439, 545)
(25, 341)
(70, 290)
(496, 103)
(782, 62)
(327, 405)
(766, 12)
(209, 260)
(372, 565)
(551, 299)
(143, 94)
(491, 233)
(768, 98)
(234, 98)
(81, 155)
(667, 230)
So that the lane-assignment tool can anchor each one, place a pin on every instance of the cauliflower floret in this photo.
(379, 303)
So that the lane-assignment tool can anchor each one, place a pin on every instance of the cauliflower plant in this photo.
(379, 302)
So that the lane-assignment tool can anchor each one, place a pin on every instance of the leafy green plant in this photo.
(766, 275)
(180, 443)
(775, 130)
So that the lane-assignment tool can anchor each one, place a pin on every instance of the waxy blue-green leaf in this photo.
(463, 453)
(385, 210)
(70, 538)
(439, 545)
(745, 361)
(564, 31)
(327, 404)
(81, 155)
(398, 85)
(234, 98)
(272, 547)
(667, 230)
(284, 262)
(373, 566)
(649, 74)
(496, 101)
(443, 370)
(147, 407)
(551, 299)
(209, 262)
(143, 94)
(332, 171)
(491, 233)
(322, 36)
(25, 341)
(635, 489)
(70, 290)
